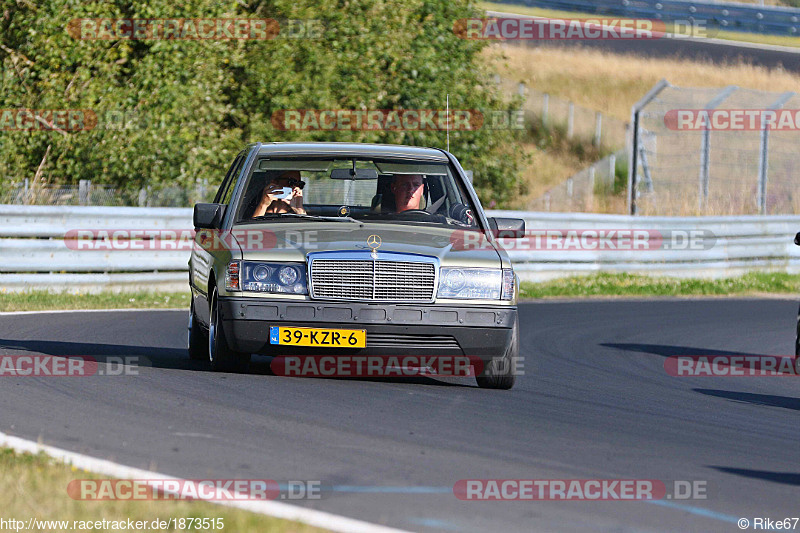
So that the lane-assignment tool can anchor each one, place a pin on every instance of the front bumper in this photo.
(392, 329)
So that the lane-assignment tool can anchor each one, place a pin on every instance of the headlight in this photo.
(287, 275)
(270, 277)
(471, 283)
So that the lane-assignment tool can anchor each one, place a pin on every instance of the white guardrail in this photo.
(34, 255)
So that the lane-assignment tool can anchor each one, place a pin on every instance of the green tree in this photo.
(176, 111)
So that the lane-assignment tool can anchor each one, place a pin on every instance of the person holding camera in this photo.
(273, 199)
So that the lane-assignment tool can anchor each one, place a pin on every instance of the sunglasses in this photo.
(295, 183)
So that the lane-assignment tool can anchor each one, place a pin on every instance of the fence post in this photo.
(142, 197)
(612, 169)
(84, 187)
(763, 153)
(702, 191)
(521, 89)
(633, 155)
(545, 105)
(598, 127)
(633, 160)
(705, 148)
(763, 160)
(570, 120)
(25, 198)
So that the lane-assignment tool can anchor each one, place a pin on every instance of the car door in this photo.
(201, 261)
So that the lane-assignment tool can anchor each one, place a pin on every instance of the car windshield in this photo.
(380, 190)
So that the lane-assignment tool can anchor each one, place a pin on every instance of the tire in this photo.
(197, 338)
(222, 358)
(499, 372)
(797, 338)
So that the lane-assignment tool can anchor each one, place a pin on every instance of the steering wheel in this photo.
(414, 212)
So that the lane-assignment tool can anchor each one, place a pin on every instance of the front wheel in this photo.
(499, 373)
(797, 338)
(222, 358)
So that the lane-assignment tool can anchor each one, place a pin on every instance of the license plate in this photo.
(318, 337)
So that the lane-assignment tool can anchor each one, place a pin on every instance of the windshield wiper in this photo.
(270, 216)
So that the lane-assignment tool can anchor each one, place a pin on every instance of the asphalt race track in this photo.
(595, 402)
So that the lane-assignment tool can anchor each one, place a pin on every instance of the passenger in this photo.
(407, 190)
(270, 203)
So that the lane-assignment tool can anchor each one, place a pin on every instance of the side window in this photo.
(226, 189)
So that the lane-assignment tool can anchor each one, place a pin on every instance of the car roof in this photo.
(351, 150)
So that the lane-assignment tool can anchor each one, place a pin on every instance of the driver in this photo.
(270, 203)
(407, 190)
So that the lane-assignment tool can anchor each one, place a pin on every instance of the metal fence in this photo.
(594, 189)
(89, 193)
(731, 16)
(714, 152)
(732, 246)
(35, 255)
(576, 121)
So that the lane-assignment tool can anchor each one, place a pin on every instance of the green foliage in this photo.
(175, 111)
(553, 137)
(620, 176)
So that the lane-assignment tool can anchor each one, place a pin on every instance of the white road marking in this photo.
(320, 519)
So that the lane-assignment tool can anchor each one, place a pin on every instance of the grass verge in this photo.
(612, 83)
(43, 300)
(609, 83)
(752, 284)
(756, 38)
(35, 486)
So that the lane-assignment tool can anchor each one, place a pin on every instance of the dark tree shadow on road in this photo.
(169, 358)
(786, 478)
(769, 400)
(666, 350)
(160, 357)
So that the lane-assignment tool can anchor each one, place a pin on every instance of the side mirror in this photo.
(797, 239)
(508, 228)
(208, 216)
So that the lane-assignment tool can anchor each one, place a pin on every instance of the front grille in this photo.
(376, 280)
(401, 340)
(339, 279)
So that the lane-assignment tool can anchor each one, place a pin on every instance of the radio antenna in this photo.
(448, 121)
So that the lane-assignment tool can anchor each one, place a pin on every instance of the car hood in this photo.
(293, 241)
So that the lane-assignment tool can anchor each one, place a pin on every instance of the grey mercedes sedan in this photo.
(344, 250)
